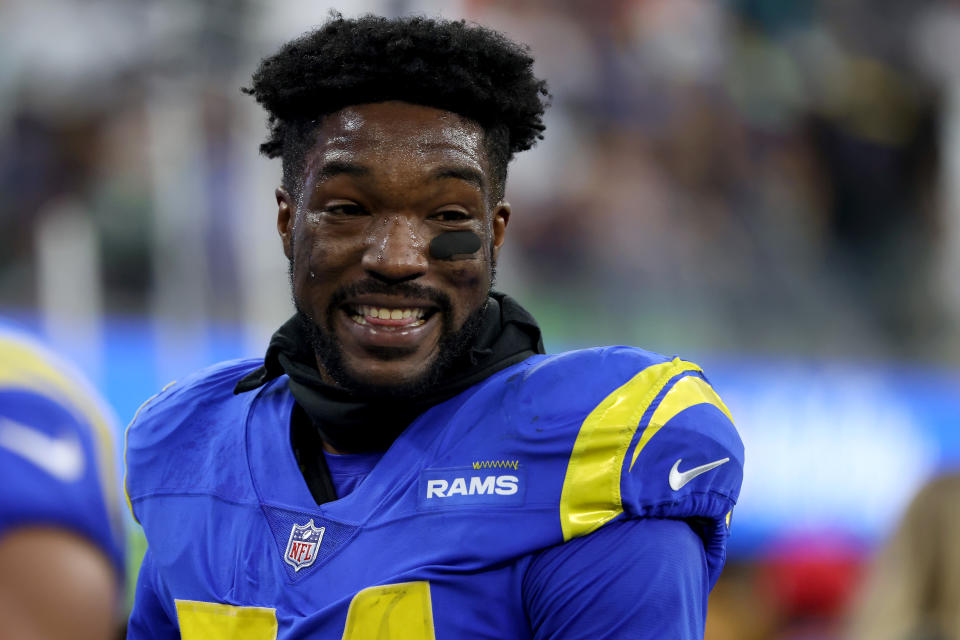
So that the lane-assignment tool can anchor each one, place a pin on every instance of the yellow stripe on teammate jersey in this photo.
(25, 366)
(591, 488)
(687, 392)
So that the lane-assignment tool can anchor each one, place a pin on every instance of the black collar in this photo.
(355, 423)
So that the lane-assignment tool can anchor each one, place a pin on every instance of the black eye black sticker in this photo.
(452, 243)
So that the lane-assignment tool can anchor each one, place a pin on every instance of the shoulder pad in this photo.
(189, 436)
(560, 390)
(660, 444)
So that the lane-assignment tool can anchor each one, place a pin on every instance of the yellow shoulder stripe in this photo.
(591, 488)
(686, 393)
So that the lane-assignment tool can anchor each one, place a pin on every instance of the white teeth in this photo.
(384, 313)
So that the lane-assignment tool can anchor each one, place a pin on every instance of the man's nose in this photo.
(395, 251)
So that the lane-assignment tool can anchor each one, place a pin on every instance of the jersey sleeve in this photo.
(634, 578)
(148, 619)
(57, 461)
(687, 462)
(661, 444)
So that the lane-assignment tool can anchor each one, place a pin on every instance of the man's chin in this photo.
(398, 373)
(395, 378)
(383, 372)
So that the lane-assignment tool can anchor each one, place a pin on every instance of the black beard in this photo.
(452, 352)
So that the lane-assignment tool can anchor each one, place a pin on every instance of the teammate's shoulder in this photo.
(38, 384)
(27, 363)
(56, 445)
(11, 335)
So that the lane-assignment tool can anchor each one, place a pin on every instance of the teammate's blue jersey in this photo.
(464, 525)
(57, 459)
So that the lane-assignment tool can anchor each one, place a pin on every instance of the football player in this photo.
(406, 461)
(61, 543)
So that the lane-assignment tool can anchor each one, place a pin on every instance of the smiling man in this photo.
(384, 181)
(406, 461)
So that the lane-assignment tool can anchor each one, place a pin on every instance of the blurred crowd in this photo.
(732, 175)
(827, 589)
(765, 171)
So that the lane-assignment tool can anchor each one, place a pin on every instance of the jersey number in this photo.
(388, 611)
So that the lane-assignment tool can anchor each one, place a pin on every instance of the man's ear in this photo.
(286, 212)
(501, 217)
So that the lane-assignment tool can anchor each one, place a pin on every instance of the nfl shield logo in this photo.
(303, 544)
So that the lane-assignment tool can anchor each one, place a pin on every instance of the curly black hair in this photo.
(451, 65)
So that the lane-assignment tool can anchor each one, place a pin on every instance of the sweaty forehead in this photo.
(390, 127)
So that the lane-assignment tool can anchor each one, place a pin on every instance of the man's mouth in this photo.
(386, 325)
(389, 317)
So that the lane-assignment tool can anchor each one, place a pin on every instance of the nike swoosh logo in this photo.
(679, 478)
(61, 457)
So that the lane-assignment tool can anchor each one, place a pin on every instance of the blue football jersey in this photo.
(444, 537)
(57, 458)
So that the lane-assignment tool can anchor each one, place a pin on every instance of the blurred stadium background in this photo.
(769, 188)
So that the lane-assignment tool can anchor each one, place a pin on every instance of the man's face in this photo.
(382, 181)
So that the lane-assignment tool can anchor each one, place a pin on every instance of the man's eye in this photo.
(451, 215)
(345, 210)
